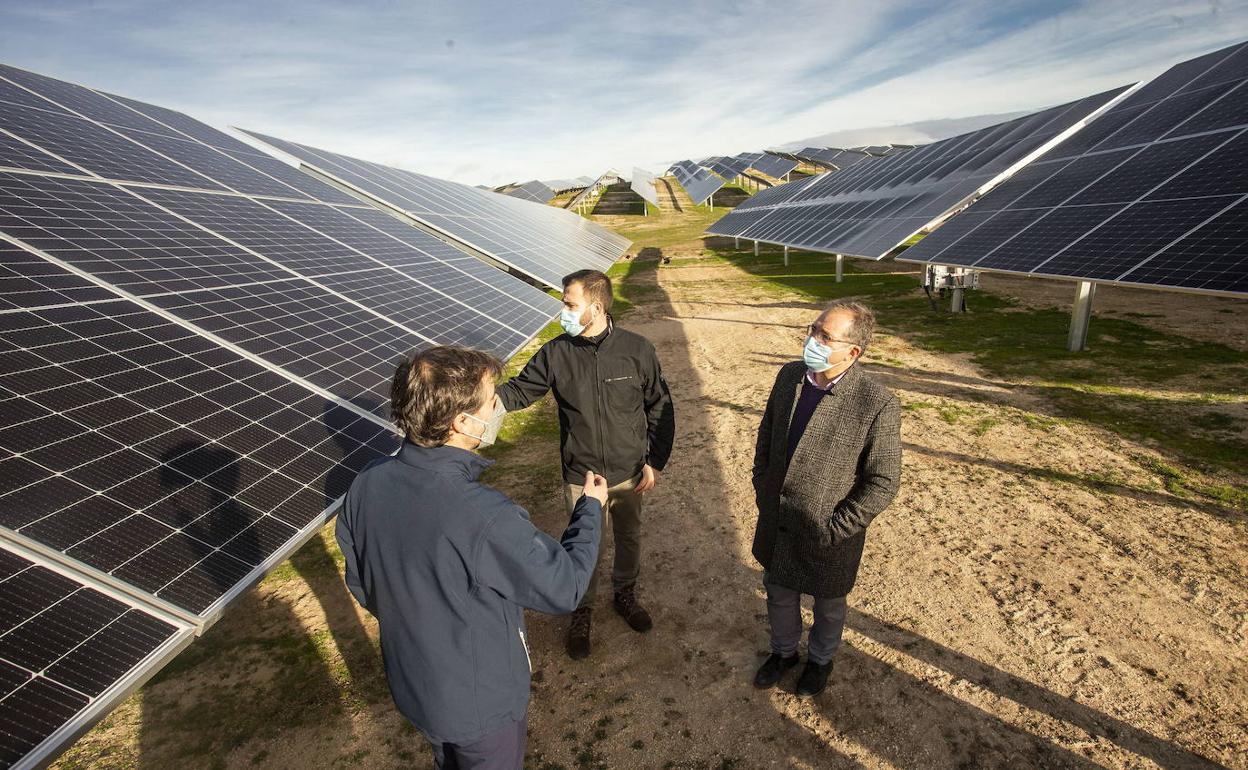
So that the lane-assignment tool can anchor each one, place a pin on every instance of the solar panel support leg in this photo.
(1080, 315)
(957, 301)
(840, 267)
(786, 256)
(736, 243)
(756, 248)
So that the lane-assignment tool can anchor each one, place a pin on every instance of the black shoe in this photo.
(773, 668)
(578, 634)
(633, 613)
(814, 678)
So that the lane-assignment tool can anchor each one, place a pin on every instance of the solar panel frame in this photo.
(1168, 169)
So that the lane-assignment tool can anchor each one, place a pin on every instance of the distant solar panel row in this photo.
(1153, 193)
(869, 208)
(699, 183)
(541, 241)
(773, 166)
(535, 191)
(643, 185)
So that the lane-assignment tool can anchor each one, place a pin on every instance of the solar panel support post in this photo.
(786, 256)
(736, 243)
(957, 300)
(840, 264)
(756, 248)
(1080, 316)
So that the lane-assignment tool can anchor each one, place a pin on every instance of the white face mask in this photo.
(490, 432)
(573, 322)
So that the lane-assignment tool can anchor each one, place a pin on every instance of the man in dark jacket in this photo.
(827, 462)
(447, 564)
(615, 417)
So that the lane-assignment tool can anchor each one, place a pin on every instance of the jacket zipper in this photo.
(600, 408)
(525, 645)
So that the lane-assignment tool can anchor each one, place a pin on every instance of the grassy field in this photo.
(295, 661)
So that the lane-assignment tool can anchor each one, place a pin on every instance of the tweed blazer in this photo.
(813, 511)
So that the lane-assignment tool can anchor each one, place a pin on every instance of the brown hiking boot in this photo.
(633, 613)
(578, 633)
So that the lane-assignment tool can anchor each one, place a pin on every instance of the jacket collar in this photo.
(444, 459)
(599, 341)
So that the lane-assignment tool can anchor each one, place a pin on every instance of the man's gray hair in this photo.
(863, 325)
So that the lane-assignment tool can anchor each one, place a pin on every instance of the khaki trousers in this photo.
(623, 516)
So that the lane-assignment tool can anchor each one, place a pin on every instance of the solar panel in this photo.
(773, 166)
(541, 241)
(69, 652)
(196, 346)
(1153, 193)
(870, 207)
(643, 185)
(135, 446)
(699, 183)
(534, 191)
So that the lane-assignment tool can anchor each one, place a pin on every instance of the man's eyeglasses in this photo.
(822, 337)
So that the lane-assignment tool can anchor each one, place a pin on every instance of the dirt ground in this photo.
(1033, 598)
(1008, 614)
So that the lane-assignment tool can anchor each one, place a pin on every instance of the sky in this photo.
(495, 92)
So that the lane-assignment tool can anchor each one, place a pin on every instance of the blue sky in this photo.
(502, 91)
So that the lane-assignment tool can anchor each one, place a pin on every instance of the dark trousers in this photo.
(623, 514)
(784, 612)
(502, 749)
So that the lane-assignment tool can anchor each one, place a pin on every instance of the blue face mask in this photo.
(570, 320)
(816, 356)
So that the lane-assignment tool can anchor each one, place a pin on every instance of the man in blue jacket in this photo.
(447, 564)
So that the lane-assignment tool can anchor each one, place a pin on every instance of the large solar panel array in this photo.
(196, 344)
(869, 208)
(1153, 193)
(643, 185)
(543, 242)
(698, 182)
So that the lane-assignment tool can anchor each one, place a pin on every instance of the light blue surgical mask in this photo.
(816, 356)
(490, 433)
(570, 320)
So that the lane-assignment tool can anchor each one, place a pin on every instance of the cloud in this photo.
(495, 92)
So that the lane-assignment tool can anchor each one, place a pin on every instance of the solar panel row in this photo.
(1153, 193)
(543, 242)
(643, 184)
(869, 208)
(698, 182)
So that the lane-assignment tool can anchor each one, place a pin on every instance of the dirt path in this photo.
(1033, 599)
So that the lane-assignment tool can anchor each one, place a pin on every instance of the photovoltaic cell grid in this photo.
(1153, 193)
(643, 185)
(64, 646)
(698, 182)
(541, 241)
(115, 234)
(869, 208)
(138, 447)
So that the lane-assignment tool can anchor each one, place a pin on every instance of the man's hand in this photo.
(649, 477)
(596, 487)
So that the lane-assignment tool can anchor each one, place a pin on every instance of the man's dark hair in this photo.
(595, 285)
(433, 386)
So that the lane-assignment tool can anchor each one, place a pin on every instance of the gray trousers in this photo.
(623, 515)
(784, 612)
(502, 749)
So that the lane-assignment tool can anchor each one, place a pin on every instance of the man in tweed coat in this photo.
(827, 462)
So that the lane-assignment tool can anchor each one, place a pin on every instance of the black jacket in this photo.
(446, 564)
(615, 412)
